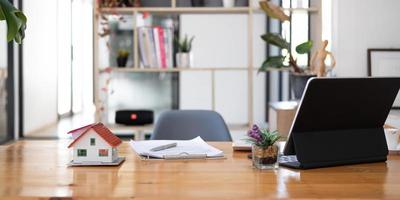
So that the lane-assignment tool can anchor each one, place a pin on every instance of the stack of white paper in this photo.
(195, 148)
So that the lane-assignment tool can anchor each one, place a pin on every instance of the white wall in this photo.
(221, 41)
(359, 25)
(3, 44)
(40, 64)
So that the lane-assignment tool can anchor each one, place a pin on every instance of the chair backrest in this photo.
(188, 124)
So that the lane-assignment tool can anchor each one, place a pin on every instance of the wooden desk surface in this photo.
(38, 169)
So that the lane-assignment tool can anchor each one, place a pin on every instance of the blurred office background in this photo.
(60, 78)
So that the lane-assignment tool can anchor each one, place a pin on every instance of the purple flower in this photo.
(255, 133)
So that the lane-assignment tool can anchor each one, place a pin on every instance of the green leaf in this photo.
(2, 17)
(276, 39)
(190, 44)
(16, 21)
(304, 47)
(272, 62)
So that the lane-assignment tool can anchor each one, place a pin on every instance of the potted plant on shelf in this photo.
(15, 19)
(122, 57)
(184, 57)
(299, 75)
(264, 150)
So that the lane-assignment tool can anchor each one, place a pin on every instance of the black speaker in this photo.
(134, 117)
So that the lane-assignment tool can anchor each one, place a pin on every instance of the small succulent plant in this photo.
(262, 137)
(123, 53)
(184, 45)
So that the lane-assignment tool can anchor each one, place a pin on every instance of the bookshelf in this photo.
(134, 11)
(194, 10)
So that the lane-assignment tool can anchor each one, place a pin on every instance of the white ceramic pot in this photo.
(184, 60)
(229, 3)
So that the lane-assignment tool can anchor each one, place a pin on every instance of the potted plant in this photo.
(15, 19)
(122, 57)
(264, 150)
(299, 75)
(184, 57)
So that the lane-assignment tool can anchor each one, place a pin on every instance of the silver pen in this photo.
(163, 147)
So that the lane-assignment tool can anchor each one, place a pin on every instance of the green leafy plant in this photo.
(262, 137)
(122, 53)
(15, 19)
(286, 60)
(185, 44)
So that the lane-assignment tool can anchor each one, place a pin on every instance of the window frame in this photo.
(92, 141)
(80, 153)
(101, 154)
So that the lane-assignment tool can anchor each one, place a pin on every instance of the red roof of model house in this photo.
(100, 129)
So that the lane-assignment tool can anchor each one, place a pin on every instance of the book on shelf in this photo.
(155, 47)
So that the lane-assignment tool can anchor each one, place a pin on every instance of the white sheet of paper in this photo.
(195, 146)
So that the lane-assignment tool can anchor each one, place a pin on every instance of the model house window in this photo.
(82, 152)
(92, 141)
(103, 152)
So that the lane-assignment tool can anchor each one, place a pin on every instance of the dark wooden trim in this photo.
(20, 83)
(267, 75)
(175, 77)
(10, 86)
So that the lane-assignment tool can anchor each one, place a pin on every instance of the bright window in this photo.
(82, 152)
(103, 152)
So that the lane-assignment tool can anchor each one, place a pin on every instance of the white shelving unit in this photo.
(249, 68)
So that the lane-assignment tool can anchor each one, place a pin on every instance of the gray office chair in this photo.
(188, 124)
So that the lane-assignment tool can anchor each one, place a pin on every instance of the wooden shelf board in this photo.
(194, 10)
(154, 70)
(198, 10)
(120, 127)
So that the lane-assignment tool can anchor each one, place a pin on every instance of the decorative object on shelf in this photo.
(317, 63)
(155, 3)
(384, 62)
(134, 117)
(94, 145)
(213, 3)
(184, 57)
(183, 3)
(229, 3)
(122, 57)
(119, 3)
(265, 153)
(241, 3)
(15, 19)
(300, 74)
(198, 3)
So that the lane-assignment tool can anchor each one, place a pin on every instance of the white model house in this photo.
(94, 143)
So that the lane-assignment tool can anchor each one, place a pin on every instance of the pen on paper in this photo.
(163, 147)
